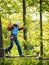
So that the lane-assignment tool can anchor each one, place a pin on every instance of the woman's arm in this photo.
(21, 28)
(10, 28)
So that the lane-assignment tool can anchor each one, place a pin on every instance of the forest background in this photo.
(12, 11)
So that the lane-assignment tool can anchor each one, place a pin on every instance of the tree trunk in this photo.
(24, 23)
(41, 41)
(1, 40)
(24, 19)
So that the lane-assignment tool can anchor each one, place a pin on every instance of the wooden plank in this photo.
(28, 56)
(43, 58)
(20, 56)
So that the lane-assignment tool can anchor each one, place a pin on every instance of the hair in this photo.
(15, 25)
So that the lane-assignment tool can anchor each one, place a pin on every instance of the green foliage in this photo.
(11, 11)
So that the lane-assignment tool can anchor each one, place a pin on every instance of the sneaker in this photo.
(7, 54)
(21, 55)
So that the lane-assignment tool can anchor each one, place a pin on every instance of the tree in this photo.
(24, 22)
(24, 19)
(41, 42)
(1, 40)
(41, 46)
